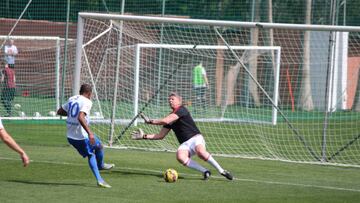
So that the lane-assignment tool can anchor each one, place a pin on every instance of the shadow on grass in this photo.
(155, 174)
(48, 183)
(126, 172)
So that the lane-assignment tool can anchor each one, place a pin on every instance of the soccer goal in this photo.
(37, 72)
(204, 110)
(271, 95)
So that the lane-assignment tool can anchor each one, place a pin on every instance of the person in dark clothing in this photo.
(187, 133)
(9, 87)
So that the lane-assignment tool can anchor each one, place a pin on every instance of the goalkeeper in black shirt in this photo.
(190, 139)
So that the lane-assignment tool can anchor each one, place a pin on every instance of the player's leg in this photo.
(94, 168)
(184, 158)
(197, 102)
(202, 97)
(3, 96)
(84, 149)
(200, 150)
(11, 98)
(94, 164)
(206, 156)
(99, 153)
(5, 100)
(8, 102)
(184, 154)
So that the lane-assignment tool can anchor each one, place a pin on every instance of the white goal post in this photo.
(276, 49)
(37, 70)
(133, 62)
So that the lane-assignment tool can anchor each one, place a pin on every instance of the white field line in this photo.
(216, 177)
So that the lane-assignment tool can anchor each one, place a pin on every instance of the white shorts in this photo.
(192, 143)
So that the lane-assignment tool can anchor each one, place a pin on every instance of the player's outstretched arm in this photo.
(9, 141)
(164, 121)
(139, 134)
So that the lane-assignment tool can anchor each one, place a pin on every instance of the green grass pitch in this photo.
(58, 174)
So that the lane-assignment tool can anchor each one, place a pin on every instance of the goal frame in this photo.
(236, 24)
(214, 23)
(57, 43)
(277, 54)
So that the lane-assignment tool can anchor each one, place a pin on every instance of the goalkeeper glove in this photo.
(137, 134)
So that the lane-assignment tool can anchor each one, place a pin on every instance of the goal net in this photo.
(37, 73)
(200, 99)
(266, 97)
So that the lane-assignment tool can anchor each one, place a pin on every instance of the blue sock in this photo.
(94, 168)
(99, 157)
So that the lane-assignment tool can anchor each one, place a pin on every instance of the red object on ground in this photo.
(25, 93)
(290, 89)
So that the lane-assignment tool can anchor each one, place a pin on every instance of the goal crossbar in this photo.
(312, 27)
(189, 46)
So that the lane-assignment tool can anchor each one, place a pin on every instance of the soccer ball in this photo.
(17, 106)
(171, 175)
(52, 113)
(22, 114)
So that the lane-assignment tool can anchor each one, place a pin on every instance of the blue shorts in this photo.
(84, 147)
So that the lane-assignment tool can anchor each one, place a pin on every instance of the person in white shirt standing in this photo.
(10, 51)
(77, 109)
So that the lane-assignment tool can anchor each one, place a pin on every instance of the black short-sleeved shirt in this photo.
(184, 127)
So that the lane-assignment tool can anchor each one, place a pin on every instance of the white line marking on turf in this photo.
(298, 184)
(217, 177)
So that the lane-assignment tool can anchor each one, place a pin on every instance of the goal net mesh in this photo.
(37, 74)
(134, 65)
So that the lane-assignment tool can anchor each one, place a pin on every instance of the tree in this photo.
(253, 89)
(219, 72)
(271, 34)
(306, 102)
